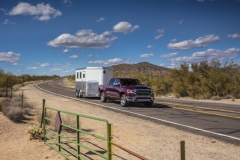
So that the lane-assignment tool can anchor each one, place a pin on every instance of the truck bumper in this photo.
(142, 99)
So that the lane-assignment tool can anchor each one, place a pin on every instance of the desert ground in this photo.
(150, 140)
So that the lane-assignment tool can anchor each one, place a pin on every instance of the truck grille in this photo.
(143, 92)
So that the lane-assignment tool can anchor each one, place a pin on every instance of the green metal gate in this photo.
(61, 143)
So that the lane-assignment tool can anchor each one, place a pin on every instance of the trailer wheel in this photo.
(79, 94)
(102, 97)
(123, 101)
(76, 93)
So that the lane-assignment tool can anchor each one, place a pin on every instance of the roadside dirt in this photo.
(151, 140)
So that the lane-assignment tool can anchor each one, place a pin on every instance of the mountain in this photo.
(140, 68)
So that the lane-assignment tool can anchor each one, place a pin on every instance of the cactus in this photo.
(35, 132)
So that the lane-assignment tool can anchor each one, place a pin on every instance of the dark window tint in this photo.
(126, 82)
(83, 76)
(77, 75)
(80, 75)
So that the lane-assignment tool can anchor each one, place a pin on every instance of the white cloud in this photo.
(161, 64)
(124, 27)
(210, 54)
(161, 33)
(90, 55)
(67, 2)
(235, 35)
(37, 63)
(8, 22)
(45, 65)
(59, 70)
(181, 21)
(66, 50)
(73, 56)
(67, 64)
(97, 62)
(32, 67)
(100, 19)
(40, 11)
(146, 55)
(198, 43)
(174, 40)
(169, 55)
(16, 64)
(110, 61)
(9, 57)
(83, 39)
(4, 11)
(149, 46)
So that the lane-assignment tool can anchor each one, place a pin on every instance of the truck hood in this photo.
(136, 87)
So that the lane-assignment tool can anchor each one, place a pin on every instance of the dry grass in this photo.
(14, 109)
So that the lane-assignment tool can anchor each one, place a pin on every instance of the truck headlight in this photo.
(130, 91)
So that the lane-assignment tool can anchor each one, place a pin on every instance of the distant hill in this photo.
(140, 68)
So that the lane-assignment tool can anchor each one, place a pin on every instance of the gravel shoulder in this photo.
(151, 140)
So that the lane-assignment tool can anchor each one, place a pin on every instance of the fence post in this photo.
(78, 138)
(22, 98)
(44, 123)
(110, 145)
(182, 148)
(11, 92)
(42, 112)
(7, 88)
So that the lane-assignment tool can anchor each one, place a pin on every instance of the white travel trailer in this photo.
(87, 80)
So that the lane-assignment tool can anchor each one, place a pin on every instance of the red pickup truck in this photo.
(126, 90)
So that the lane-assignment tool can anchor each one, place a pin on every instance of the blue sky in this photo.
(57, 36)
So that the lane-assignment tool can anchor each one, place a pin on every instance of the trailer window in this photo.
(77, 75)
(83, 76)
(80, 75)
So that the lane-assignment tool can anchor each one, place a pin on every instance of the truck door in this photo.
(116, 89)
(109, 89)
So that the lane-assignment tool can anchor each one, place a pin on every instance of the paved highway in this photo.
(218, 120)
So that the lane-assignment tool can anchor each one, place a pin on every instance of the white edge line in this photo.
(178, 124)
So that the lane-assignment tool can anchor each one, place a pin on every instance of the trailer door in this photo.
(84, 76)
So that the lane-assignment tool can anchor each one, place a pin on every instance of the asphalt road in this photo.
(222, 128)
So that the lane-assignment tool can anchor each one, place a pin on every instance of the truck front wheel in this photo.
(102, 97)
(123, 101)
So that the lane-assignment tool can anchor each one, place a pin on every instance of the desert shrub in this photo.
(49, 114)
(16, 114)
(227, 97)
(70, 121)
(215, 98)
(5, 105)
(13, 109)
(71, 77)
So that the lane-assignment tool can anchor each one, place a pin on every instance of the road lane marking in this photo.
(185, 107)
(181, 105)
(162, 120)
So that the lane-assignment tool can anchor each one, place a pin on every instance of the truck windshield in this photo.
(126, 82)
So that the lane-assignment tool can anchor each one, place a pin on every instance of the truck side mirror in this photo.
(116, 84)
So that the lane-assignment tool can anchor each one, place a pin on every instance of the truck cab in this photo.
(127, 90)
